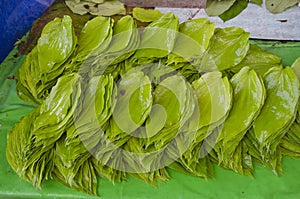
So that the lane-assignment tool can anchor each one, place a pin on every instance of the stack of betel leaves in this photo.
(120, 101)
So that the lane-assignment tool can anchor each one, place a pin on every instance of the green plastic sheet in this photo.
(226, 184)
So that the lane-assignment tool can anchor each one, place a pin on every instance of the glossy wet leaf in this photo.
(46, 62)
(249, 90)
(214, 98)
(173, 105)
(282, 96)
(192, 40)
(125, 41)
(278, 112)
(228, 48)
(57, 110)
(98, 102)
(56, 44)
(158, 39)
(214, 95)
(95, 36)
(258, 60)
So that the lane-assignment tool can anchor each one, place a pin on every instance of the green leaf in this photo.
(105, 8)
(45, 63)
(248, 89)
(227, 49)
(56, 44)
(73, 166)
(146, 15)
(277, 114)
(208, 90)
(95, 36)
(258, 60)
(234, 10)
(278, 6)
(134, 101)
(57, 110)
(98, 102)
(282, 97)
(258, 2)
(192, 40)
(125, 41)
(217, 7)
(172, 107)
(296, 67)
(158, 39)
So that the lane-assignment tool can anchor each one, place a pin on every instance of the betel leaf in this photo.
(45, 63)
(192, 40)
(258, 60)
(56, 112)
(92, 116)
(277, 114)
(55, 115)
(209, 89)
(217, 7)
(282, 97)
(151, 165)
(172, 107)
(95, 36)
(123, 31)
(55, 45)
(28, 78)
(214, 98)
(290, 144)
(277, 6)
(19, 142)
(158, 39)
(249, 90)
(73, 166)
(234, 10)
(125, 41)
(146, 15)
(134, 101)
(228, 48)
(23, 156)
